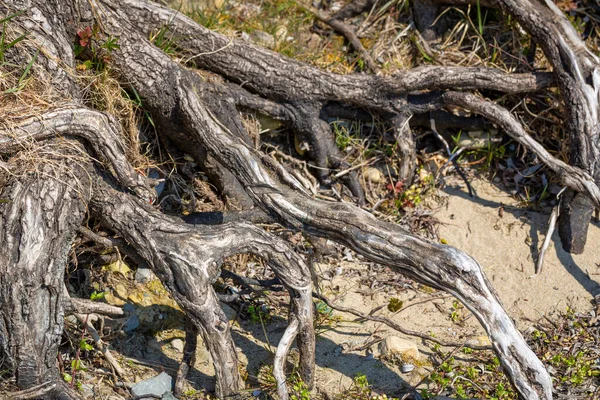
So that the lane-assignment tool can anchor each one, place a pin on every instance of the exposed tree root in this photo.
(443, 266)
(201, 119)
(187, 260)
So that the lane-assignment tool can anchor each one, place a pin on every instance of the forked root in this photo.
(187, 259)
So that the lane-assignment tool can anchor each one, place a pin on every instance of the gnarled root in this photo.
(187, 260)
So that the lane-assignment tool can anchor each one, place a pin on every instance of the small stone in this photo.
(407, 367)
(475, 134)
(399, 346)
(87, 391)
(155, 344)
(132, 323)
(121, 291)
(218, 4)
(373, 174)
(71, 319)
(177, 345)
(313, 42)
(144, 275)
(480, 341)
(262, 38)
(113, 300)
(476, 142)
(156, 175)
(157, 385)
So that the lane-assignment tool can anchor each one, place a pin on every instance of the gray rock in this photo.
(177, 345)
(407, 367)
(87, 391)
(395, 345)
(157, 385)
(155, 344)
(132, 323)
(143, 275)
(169, 396)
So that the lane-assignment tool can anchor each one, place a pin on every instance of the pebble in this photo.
(373, 174)
(400, 346)
(160, 187)
(406, 367)
(87, 391)
(177, 345)
(144, 275)
(129, 308)
(157, 385)
(281, 33)
(230, 313)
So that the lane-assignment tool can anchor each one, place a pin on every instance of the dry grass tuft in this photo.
(103, 92)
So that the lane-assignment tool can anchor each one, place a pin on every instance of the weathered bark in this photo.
(578, 73)
(37, 225)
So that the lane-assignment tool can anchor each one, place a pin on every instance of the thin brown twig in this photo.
(397, 327)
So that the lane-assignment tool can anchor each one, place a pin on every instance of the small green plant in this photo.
(4, 46)
(164, 39)
(137, 101)
(395, 304)
(299, 388)
(455, 313)
(85, 346)
(257, 315)
(77, 365)
(94, 57)
(345, 136)
(97, 296)
(22, 82)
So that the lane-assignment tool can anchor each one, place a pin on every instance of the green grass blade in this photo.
(12, 16)
(14, 42)
(479, 20)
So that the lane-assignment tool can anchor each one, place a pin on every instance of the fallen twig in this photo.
(397, 327)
